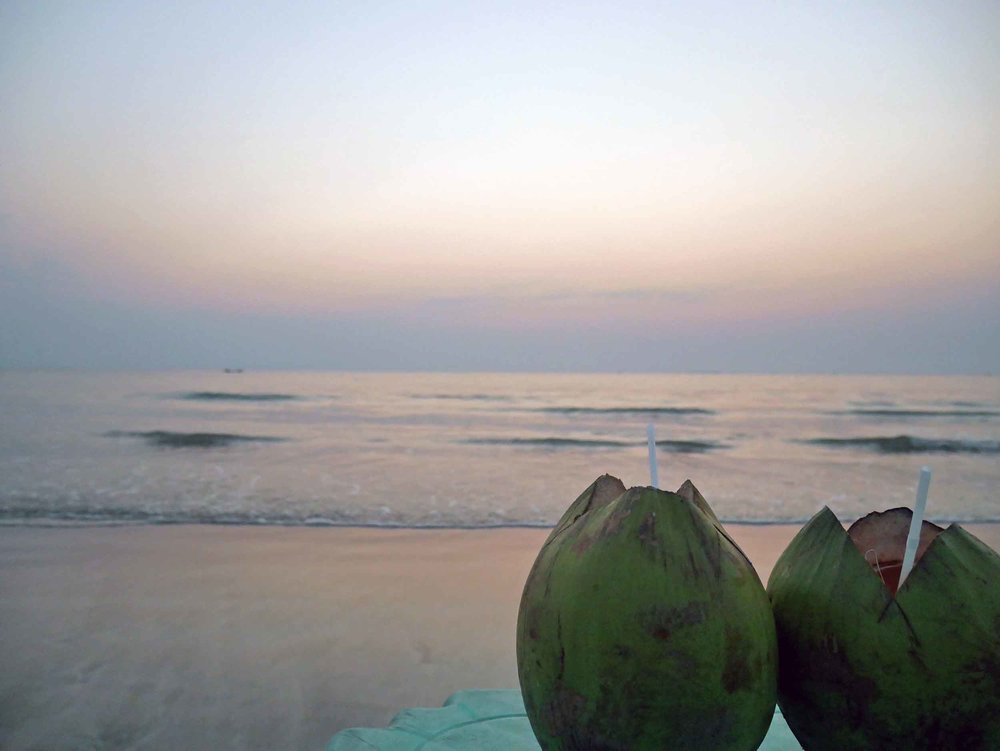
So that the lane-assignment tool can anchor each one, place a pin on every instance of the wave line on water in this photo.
(626, 410)
(690, 447)
(671, 446)
(236, 396)
(906, 444)
(464, 397)
(551, 442)
(174, 440)
(920, 413)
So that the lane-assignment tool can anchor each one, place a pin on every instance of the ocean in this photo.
(482, 450)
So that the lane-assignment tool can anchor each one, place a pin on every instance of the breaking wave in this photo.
(689, 447)
(174, 440)
(924, 412)
(906, 444)
(81, 515)
(677, 447)
(235, 396)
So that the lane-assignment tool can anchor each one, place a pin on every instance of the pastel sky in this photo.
(729, 185)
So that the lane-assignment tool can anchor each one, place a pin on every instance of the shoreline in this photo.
(69, 523)
(148, 636)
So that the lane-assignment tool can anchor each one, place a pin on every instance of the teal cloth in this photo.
(480, 720)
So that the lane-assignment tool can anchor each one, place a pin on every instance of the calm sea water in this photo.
(470, 450)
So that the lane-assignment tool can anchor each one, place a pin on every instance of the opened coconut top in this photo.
(881, 539)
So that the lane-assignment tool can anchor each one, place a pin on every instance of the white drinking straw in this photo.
(651, 440)
(913, 538)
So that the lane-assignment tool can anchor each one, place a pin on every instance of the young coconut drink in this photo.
(866, 663)
(643, 626)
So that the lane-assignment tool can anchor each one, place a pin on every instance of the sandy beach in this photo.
(210, 637)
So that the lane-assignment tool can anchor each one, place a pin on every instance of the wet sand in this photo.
(202, 637)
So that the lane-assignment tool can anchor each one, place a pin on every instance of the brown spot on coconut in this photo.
(867, 669)
(643, 627)
(881, 538)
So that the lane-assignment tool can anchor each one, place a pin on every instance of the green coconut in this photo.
(643, 626)
(865, 666)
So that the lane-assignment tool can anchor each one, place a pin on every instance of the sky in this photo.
(631, 186)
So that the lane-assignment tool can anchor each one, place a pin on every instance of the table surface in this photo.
(482, 720)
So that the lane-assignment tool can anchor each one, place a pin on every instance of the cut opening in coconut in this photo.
(881, 539)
